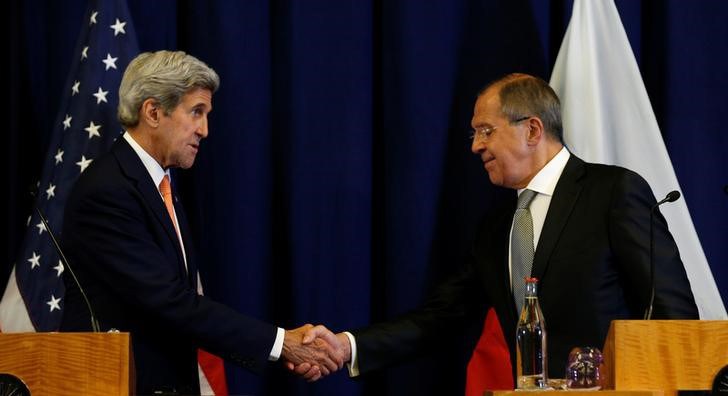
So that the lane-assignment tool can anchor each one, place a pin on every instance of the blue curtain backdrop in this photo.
(337, 184)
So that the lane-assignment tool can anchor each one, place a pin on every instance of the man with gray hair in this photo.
(130, 246)
(586, 238)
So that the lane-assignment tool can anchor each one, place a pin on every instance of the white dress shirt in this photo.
(544, 184)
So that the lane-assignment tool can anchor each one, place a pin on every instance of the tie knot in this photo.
(524, 199)
(164, 187)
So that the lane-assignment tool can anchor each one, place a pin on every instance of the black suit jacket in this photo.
(592, 262)
(121, 243)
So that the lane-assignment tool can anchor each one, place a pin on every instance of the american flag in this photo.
(85, 127)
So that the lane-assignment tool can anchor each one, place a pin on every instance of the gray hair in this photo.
(164, 76)
(523, 95)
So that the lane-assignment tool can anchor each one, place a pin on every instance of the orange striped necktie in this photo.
(166, 189)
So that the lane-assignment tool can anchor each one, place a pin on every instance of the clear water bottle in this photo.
(531, 358)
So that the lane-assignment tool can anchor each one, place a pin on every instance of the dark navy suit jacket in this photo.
(592, 262)
(121, 243)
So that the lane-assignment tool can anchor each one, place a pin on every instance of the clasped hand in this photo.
(314, 351)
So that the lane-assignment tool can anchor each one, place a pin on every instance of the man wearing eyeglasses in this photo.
(588, 235)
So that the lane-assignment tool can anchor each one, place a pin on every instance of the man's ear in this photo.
(536, 131)
(150, 112)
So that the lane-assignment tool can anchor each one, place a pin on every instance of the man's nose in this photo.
(478, 146)
(202, 130)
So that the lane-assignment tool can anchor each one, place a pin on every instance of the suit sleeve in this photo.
(444, 313)
(629, 230)
(110, 232)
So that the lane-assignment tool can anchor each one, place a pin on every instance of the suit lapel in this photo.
(494, 252)
(507, 314)
(134, 169)
(562, 203)
(185, 231)
(505, 275)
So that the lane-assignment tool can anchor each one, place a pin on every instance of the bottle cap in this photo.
(531, 280)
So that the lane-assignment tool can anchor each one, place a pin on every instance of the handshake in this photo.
(313, 352)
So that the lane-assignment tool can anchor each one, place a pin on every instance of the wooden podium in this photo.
(667, 355)
(69, 363)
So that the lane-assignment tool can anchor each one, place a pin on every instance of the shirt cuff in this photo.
(275, 353)
(353, 365)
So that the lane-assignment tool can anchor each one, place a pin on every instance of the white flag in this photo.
(608, 119)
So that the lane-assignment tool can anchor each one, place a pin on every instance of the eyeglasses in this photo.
(483, 133)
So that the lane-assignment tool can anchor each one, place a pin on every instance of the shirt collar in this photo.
(545, 180)
(155, 170)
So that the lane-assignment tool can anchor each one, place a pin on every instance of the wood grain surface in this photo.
(69, 363)
(670, 355)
